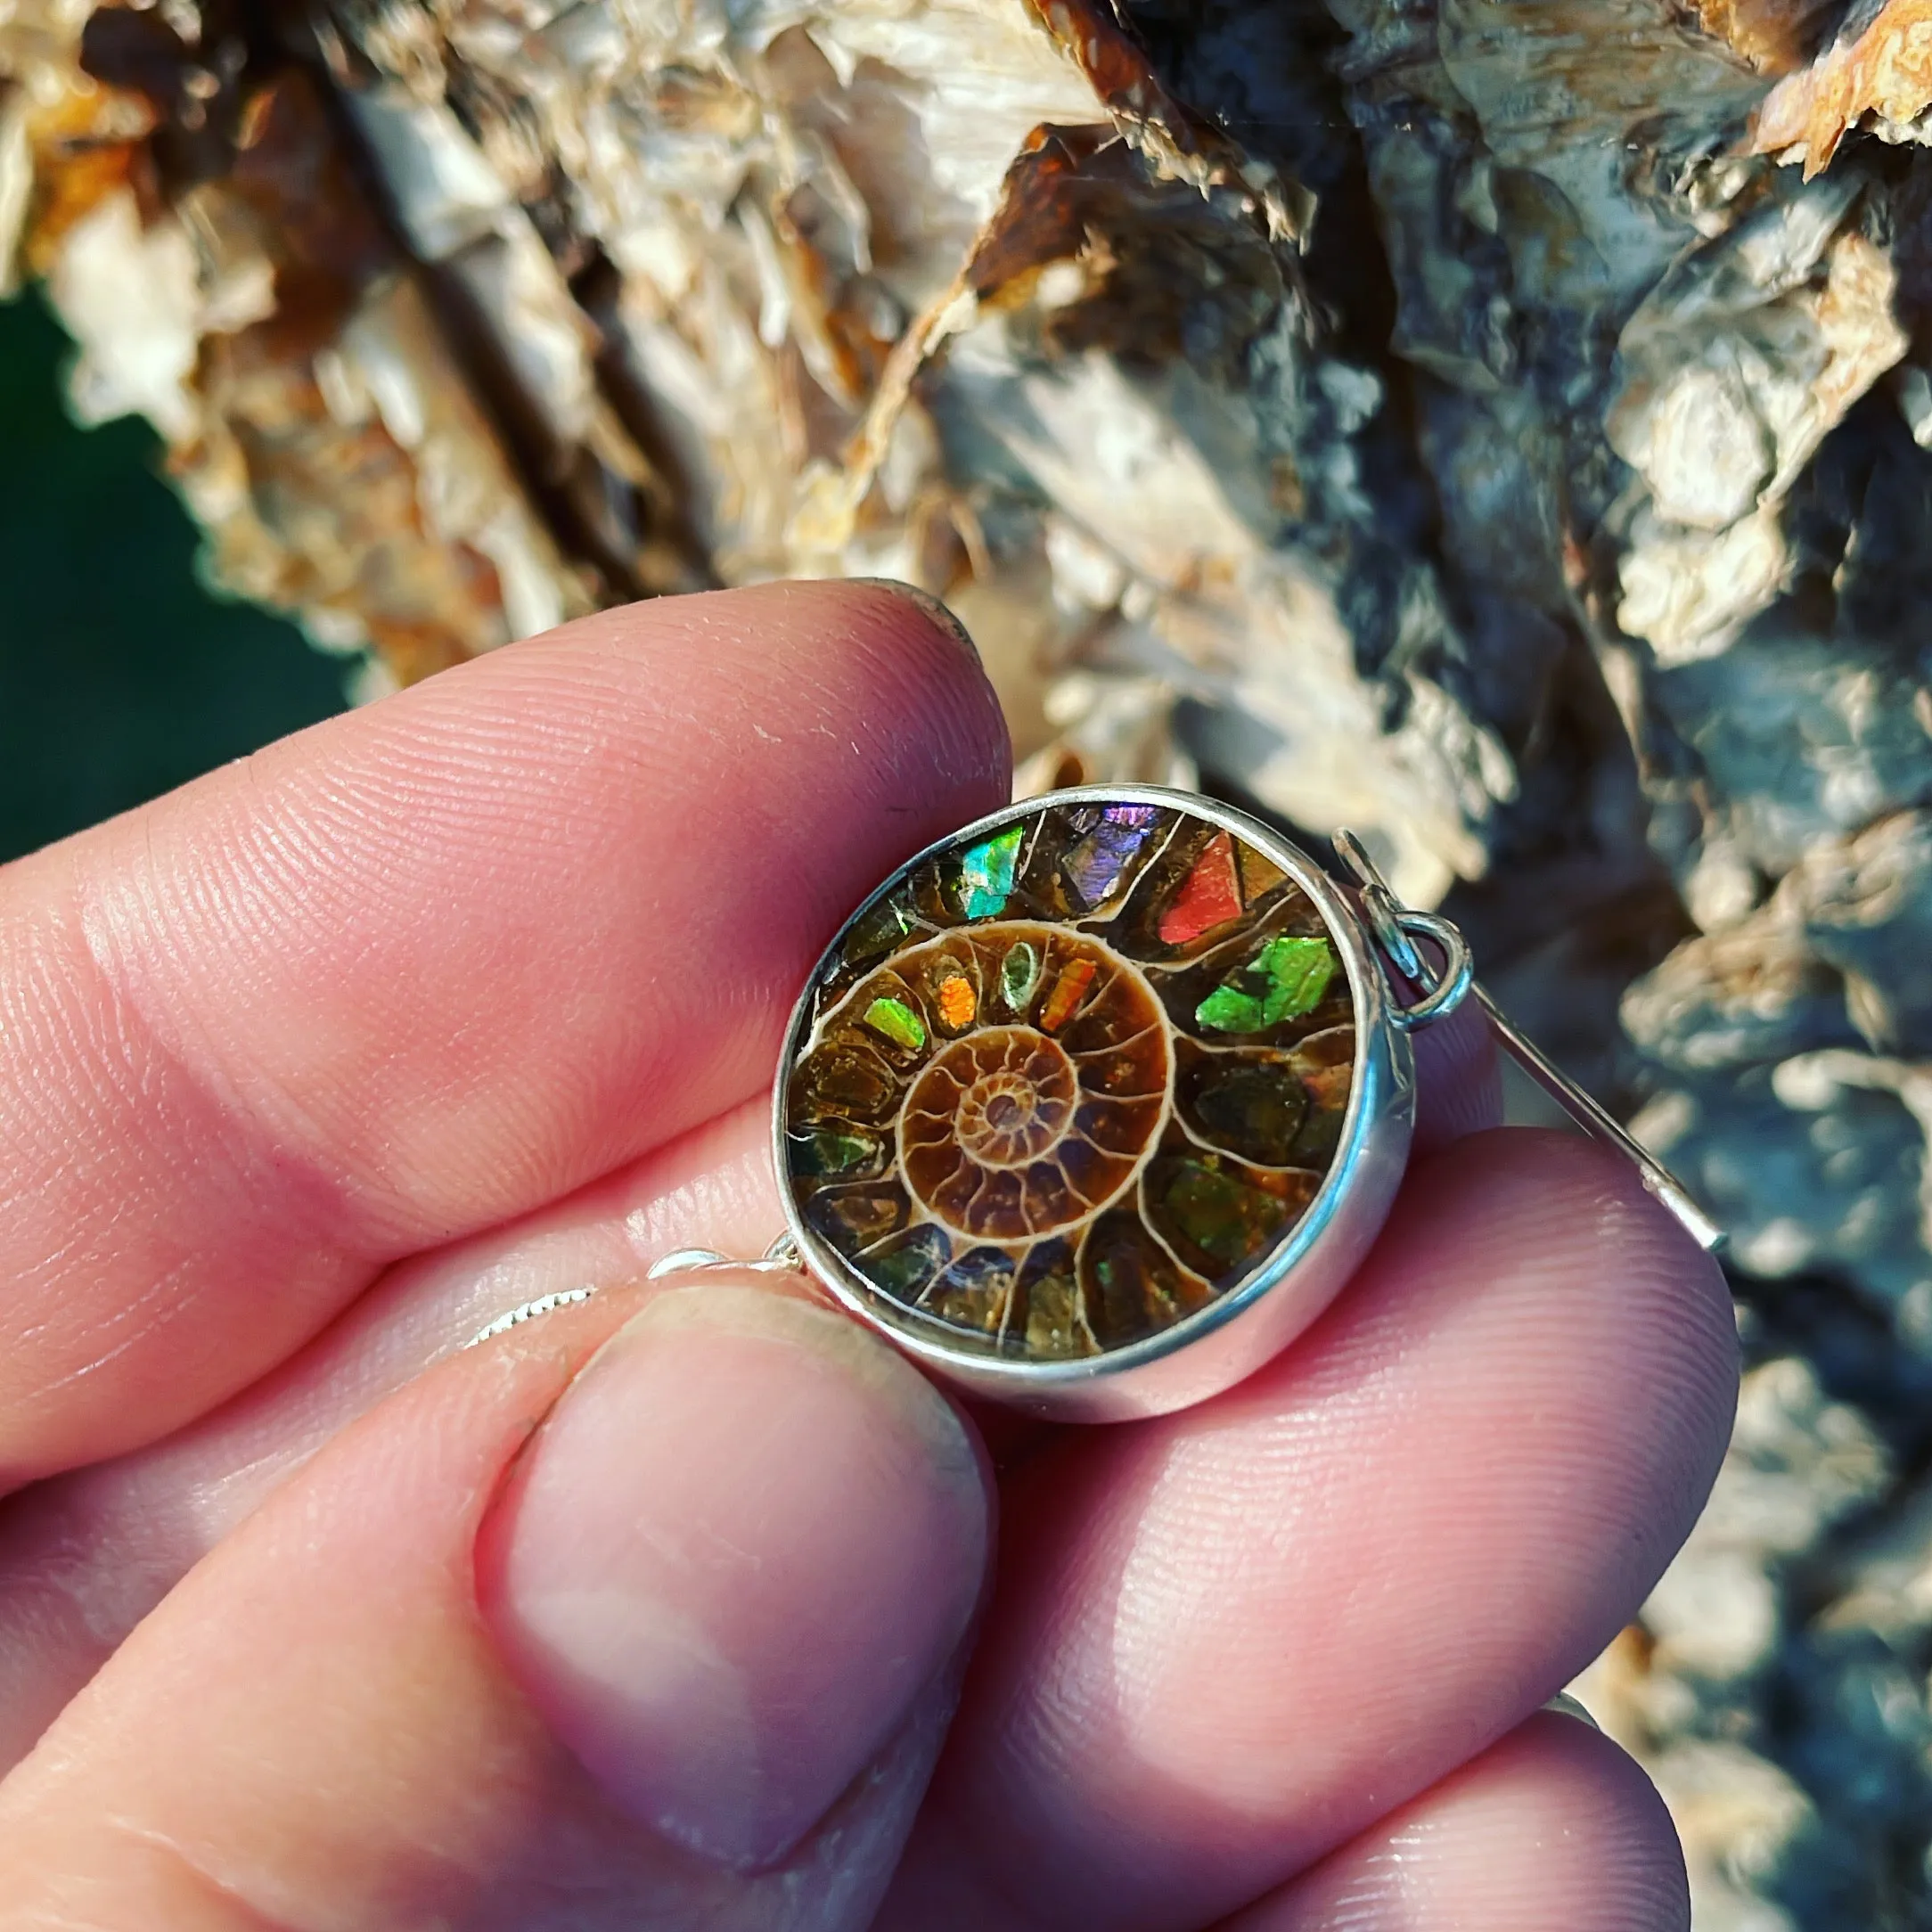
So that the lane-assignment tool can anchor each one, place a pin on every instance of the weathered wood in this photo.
(1500, 425)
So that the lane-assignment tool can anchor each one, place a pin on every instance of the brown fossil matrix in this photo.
(1066, 1084)
(1501, 425)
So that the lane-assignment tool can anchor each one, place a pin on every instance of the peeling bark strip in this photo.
(1774, 36)
(861, 291)
(205, 240)
(1445, 417)
(1877, 71)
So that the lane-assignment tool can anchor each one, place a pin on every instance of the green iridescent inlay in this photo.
(829, 1151)
(1020, 975)
(904, 1265)
(1221, 1215)
(1284, 980)
(897, 1022)
(986, 874)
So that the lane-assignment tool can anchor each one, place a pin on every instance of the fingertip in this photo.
(847, 724)
(315, 1727)
(905, 632)
(1555, 1200)
(892, 663)
(1553, 1221)
(741, 1551)
(432, 965)
(1550, 1189)
(937, 614)
(1554, 1826)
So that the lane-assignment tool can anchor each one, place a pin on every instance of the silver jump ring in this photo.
(1449, 985)
(781, 1257)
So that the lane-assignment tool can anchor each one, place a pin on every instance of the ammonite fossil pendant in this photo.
(1095, 1105)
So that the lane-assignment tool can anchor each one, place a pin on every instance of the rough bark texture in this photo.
(1499, 425)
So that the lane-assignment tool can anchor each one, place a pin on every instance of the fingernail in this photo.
(1564, 1706)
(738, 1549)
(939, 613)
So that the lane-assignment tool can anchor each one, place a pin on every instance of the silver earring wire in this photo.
(564, 1298)
(1443, 988)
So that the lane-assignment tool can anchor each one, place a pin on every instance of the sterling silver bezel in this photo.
(1250, 1324)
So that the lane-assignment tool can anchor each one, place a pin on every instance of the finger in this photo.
(1458, 1079)
(1228, 1641)
(1554, 1826)
(84, 1557)
(429, 965)
(731, 1569)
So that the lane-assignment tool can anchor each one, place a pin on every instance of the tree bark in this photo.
(1499, 426)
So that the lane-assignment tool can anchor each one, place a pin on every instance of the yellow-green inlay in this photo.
(897, 1022)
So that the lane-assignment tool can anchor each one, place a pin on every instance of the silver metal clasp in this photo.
(781, 1257)
(1443, 988)
(1396, 929)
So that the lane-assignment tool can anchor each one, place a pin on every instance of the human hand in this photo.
(660, 1609)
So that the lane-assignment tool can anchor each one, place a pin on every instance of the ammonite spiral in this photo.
(1062, 1086)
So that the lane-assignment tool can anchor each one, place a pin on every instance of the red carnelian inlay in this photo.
(1210, 895)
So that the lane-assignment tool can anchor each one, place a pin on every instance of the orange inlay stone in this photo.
(957, 1002)
(1210, 895)
(1069, 990)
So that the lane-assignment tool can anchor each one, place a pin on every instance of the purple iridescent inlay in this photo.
(1095, 865)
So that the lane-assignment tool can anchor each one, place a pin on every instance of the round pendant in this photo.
(1095, 1105)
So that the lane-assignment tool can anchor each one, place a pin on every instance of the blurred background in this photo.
(120, 675)
(1465, 422)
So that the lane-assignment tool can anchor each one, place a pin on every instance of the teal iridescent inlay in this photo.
(831, 1153)
(986, 874)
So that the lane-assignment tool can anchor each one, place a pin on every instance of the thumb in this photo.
(537, 1641)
